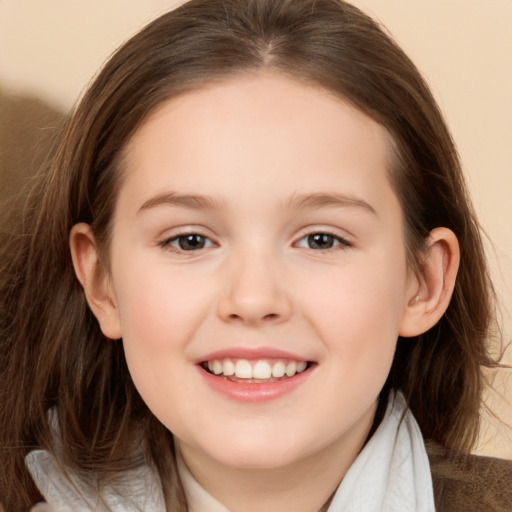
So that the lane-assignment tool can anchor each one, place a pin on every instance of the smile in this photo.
(260, 370)
(254, 375)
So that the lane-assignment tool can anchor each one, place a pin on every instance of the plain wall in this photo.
(52, 48)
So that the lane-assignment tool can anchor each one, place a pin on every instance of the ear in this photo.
(94, 280)
(431, 288)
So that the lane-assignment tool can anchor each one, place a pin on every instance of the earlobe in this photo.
(94, 280)
(433, 286)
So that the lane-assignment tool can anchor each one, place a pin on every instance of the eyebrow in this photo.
(325, 200)
(297, 201)
(192, 201)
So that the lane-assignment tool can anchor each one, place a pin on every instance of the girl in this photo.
(251, 279)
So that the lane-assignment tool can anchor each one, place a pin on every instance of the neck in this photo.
(306, 485)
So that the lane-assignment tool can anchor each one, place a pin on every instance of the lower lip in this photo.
(251, 392)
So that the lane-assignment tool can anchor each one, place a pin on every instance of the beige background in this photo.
(52, 48)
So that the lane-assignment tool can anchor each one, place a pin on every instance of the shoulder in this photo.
(464, 482)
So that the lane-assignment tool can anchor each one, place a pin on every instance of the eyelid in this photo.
(165, 242)
(344, 242)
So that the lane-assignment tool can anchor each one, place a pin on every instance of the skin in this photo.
(254, 144)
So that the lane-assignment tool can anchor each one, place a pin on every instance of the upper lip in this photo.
(251, 354)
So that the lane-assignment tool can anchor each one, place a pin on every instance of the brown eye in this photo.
(322, 242)
(188, 242)
(191, 242)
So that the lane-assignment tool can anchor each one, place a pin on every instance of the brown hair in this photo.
(52, 352)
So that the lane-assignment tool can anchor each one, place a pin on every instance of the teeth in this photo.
(301, 366)
(262, 370)
(291, 369)
(259, 370)
(243, 369)
(217, 367)
(278, 369)
(228, 368)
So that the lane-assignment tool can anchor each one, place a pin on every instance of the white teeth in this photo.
(243, 369)
(301, 366)
(278, 369)
(217, 367)
(228, 368)
(291, 369)
(259, 370)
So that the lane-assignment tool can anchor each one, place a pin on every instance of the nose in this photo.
(254, 292)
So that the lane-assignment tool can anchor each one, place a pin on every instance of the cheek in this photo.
(157, 307)
(367, 295)
(159, 316)
(160, 312)
(357, 315)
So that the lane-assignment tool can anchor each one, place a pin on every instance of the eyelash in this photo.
(339, 242)
(167, 243)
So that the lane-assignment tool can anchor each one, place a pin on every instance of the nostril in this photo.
(268, 317)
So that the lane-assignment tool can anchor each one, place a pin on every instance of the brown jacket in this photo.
(469, 483)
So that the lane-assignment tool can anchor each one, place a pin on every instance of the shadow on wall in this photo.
(29, 130)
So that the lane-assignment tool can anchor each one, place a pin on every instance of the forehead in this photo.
(252, 129)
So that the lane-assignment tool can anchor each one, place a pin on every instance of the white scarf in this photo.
(391, 474)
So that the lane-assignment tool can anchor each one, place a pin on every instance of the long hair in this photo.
(52, 352)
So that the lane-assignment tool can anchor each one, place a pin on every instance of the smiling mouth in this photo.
(255, 371)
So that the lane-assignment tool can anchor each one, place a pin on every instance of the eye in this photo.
(187, 242)
(321, 241)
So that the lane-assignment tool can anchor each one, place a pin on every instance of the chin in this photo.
(264, 454)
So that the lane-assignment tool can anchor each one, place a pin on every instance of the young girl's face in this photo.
(256, 231)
